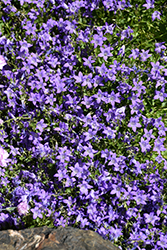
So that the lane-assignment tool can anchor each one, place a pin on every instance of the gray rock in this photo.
(61, 238)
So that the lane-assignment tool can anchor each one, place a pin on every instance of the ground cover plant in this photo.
(83, 118)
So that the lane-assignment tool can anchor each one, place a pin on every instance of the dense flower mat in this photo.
(82, 118)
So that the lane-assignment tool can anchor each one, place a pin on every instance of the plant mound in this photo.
(82, 118)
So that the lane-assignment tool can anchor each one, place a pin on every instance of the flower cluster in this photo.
(83, 127)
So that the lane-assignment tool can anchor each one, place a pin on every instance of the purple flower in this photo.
(33, 59)
(159, 47)
(69, 181)
(91, 209)
(70, 63)
(79, 78)
(71, 26)
(120, 113)
(158, 145)
(134, 98)
(112, 98)
(83, 35)
(144, 144)
(2, 172)
(89, 151)
(28, 175)
(159, 158)
(151, 218)
(158, 122)
(121, 4)
(109, 132)
(41, 74)
(140, 197)
(115, 233)
(98, 40)
(30, 29)
(52, 61)
(102, 69)
(77, 170)
(111, 214)
(59, 84)
(109, 115)
(69, 201)
(84, 187)
(144, 55)
(156, 68)
(156, 14)
(50, 99)
(105, 52)
(161, 95)
(89, 135)
(2, 62)
(136, 108)
(161, 82)
(109, 28)
(108, 3)
(162, 242)
(24, 46)
(134, 123)
(126, 33)
(122, 51)
(135, 53)
(3, 157)
(162, 130)
(113, 160)
(27, 68)
(106, 154)
(165, 164)
(61, 174)
(87, 101)
(62, 221)
(64, 154)
(41, 125)
(87, 81)
(4, 181)
(43, 150)
(88, 62)
(111, 74)
(33, 97)
(148, 134)
(149, 4)
(37, 212)
(3, 217)
(116, 189)
(100, 96)
(23, 208)
(84, 221)
(95, 125)
(6, 1)
(138, 87)
(97, 81)
(87, 120)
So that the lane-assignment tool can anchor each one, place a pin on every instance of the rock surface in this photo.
(61, 238)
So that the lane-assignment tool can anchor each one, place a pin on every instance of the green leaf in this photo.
(9, 209)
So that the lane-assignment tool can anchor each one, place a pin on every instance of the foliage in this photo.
(83, 118)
